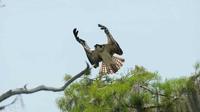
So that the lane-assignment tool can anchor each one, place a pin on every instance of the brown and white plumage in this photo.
(103, 53)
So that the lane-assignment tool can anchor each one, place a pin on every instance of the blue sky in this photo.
(37, 45)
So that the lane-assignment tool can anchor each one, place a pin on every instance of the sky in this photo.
(37, 45)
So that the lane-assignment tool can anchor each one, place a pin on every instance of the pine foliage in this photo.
(137, 91)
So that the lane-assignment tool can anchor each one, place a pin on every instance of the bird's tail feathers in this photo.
(111, 68)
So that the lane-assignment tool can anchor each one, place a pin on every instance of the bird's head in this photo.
(99, 47)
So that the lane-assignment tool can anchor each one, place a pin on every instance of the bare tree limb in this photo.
(4, 106)
(156, 93)
(152, 106)
(24, 90)
(151, 91)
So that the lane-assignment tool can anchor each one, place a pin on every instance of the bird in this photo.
(107, 54)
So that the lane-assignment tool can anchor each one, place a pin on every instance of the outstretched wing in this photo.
(112, 46)
(92, 55)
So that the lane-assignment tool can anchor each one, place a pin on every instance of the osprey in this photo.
(105, 53)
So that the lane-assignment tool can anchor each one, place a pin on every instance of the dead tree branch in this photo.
(25, 90)
(156, 93)
(4, 106)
